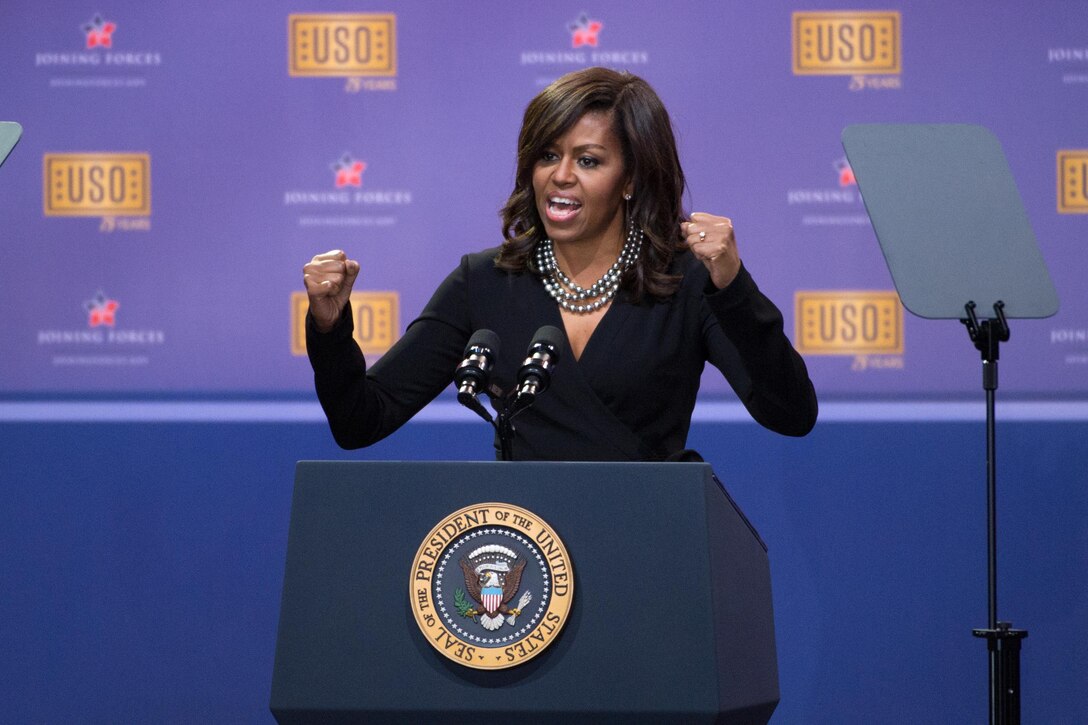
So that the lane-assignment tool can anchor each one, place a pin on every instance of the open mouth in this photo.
(560, 208)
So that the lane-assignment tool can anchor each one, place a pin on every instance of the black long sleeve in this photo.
(629, 397)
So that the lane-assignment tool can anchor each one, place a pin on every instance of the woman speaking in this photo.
(596, 244)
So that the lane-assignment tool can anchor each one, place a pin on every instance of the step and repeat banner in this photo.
(181, 161)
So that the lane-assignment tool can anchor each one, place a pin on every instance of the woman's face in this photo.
(579, 182)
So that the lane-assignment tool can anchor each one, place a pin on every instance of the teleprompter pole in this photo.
(1003, 642)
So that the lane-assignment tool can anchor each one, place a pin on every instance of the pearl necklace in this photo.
(577, 299)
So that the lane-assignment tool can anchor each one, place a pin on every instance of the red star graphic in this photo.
(102, 313)
(100, 33)
(350, 175)
(846, 174)
(584, 32)
(349, 172)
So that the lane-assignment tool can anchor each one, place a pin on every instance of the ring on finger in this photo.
(702, 236)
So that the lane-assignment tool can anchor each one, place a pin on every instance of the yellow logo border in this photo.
(885, 296)
(143, 158)
(896, 66)
(300, 305)
(1063, 155)
(292, 62)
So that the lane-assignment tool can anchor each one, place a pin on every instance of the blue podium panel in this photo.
(671, 617)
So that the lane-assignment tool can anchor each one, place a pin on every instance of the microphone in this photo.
(472, 374)
(536, 372)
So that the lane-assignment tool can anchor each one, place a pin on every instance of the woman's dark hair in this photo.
(642, 125)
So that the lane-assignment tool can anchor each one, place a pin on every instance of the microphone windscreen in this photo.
(550, 336)
(486, 339)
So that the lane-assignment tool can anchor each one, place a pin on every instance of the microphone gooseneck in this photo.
(534, 376)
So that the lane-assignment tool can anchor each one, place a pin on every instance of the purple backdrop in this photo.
(244, 153)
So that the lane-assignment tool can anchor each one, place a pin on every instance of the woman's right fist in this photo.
(329, 278)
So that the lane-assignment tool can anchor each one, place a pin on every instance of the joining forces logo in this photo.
(491, 586)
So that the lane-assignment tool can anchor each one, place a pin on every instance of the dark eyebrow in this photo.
(588, 146)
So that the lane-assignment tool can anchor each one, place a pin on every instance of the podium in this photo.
(670, 618)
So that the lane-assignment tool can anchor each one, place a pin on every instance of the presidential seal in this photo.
(491, 586)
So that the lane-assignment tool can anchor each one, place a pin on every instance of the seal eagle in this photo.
(492, 584)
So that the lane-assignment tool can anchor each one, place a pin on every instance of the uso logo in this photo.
(1073, 181)
(846, 43)
(342, 44)
(97, 184)
(375, 314)
(843, 322)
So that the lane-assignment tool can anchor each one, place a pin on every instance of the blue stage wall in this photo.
(142, 563)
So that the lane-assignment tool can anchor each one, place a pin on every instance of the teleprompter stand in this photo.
(956, 238)
(1002, 640)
